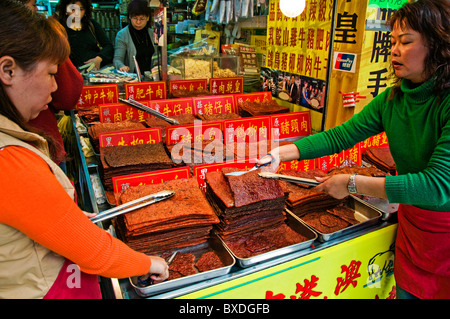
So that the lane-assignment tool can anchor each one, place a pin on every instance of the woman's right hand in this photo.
(159, 270)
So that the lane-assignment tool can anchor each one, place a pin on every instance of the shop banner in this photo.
(152, 90)
(120, 183)
(192, 133)
(288, 125)
(300, 45)
(214, 104)
(93, 95)
(171, 107)
(253, 97)
(301, 166)
(219, 86)
(200, 171)
(130, 137)
(188, 85)
(359, 268)
(247, 130)
(118, 112)
(379, 140)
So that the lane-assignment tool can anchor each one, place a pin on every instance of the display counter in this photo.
(357, 264)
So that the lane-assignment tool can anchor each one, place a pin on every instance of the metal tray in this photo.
(212, 244)
(293, 223)
(364, 213)
(386, 209)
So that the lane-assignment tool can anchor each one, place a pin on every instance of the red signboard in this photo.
(288, 125)
(379, 140)
(226, 85)
(130, 137)
(327, 162)
(191, 133)
(253, 97)
(152, 90)
(214, 104)
(171, 107)
(121, 183)
(188, 85)
(250, 129)
(118, 112)
(92, 95)
(302, 166)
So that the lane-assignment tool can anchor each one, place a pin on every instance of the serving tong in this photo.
(132, 205)
(239, 173)
(287, 178)
(149, 110)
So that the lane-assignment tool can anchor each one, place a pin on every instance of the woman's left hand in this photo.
(97, 62)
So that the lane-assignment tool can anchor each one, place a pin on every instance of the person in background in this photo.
(70, 84)
(88, 41)
(415, 114)
(135, 40)
(48, 247)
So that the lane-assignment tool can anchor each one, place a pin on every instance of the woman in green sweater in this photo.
(415, 114)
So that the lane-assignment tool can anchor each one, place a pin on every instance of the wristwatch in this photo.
(351, 186)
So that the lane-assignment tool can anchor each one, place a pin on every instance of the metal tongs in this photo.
(149, 110)
(239, 173)
(133, 205)
(287, 178)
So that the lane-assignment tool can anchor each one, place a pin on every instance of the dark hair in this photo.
(430, 18)
(138, 7)
(28, 38)
(62, 10)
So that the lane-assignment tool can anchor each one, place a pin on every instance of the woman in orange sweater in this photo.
(48, 247)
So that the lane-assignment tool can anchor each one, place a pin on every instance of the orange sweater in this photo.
(33, 201)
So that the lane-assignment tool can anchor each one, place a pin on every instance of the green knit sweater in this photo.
(417, 125)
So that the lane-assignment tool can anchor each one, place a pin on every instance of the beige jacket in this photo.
(27, 269)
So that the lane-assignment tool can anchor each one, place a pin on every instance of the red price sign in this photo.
(130, 137)
(226, 85)
(92, 95)
(252, 97)
(190, 133)
(146, 90)
(187, 85)
(327, 162)
(302, 166)
(171, 107)
(290, 124)
(214, 104)
(118, 112)
(121, 183)
(379, 140)
(252, 129)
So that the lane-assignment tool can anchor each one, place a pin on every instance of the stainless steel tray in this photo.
(297, 226)
(386, 209)
(364, 213)
(212, 244)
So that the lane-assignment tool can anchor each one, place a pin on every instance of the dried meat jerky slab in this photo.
(209, 261)
(344, 213)
(324, 222)
(184, 264)
(218, 117)
(141, 154)
(251, 188)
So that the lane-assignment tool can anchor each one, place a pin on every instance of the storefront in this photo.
(312, 72)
